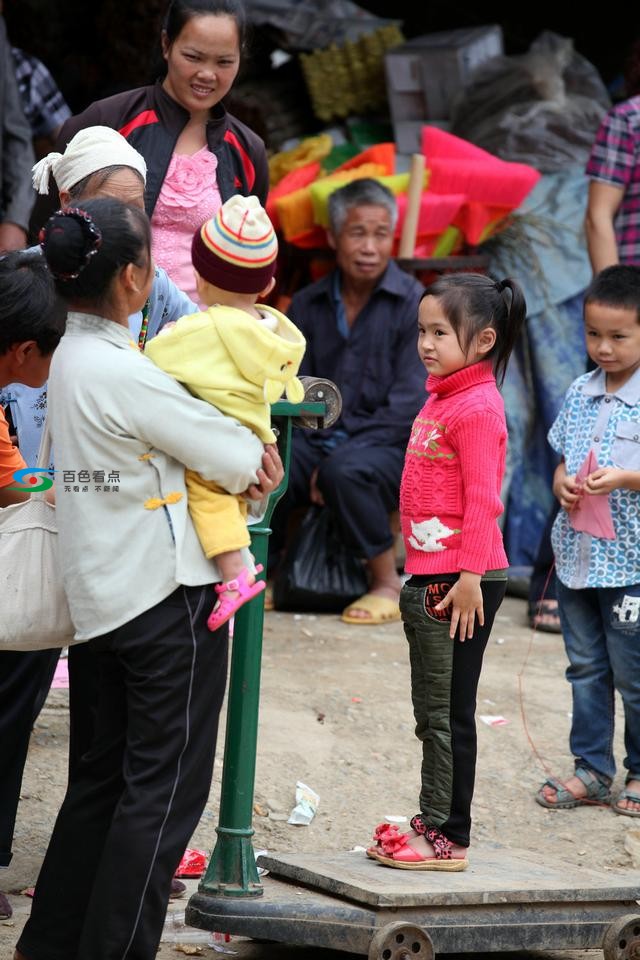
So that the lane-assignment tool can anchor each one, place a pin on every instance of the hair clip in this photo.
(90, 229)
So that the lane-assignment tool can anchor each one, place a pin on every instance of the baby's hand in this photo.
(604, 480)
(270, 476)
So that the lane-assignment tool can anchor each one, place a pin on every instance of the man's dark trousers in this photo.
(359, 484)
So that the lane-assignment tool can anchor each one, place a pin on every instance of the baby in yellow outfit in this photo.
(238, 355)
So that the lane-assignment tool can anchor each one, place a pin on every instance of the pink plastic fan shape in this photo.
(593, 512)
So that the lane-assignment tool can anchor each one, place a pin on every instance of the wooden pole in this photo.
(410, 226)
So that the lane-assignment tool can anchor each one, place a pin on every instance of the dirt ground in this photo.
(336, 714)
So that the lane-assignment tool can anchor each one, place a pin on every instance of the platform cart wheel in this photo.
(403, 941)
(622, 939)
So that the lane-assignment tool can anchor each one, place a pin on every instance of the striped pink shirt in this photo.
(615, 159)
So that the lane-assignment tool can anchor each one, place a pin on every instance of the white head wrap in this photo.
(89, 151)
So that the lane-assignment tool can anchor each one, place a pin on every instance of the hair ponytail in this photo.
(508, 326)
(473, 301)
(70, 239)
(86, 248)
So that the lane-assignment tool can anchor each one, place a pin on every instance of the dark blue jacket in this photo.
(376, 368)
(16, 150)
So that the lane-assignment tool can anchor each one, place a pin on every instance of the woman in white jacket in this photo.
(137, 582)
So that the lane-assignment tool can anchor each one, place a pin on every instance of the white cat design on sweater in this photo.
(427, 533)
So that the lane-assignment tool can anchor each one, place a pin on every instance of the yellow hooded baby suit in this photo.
(241, 366)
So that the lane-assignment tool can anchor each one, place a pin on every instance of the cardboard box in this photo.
(425, 75)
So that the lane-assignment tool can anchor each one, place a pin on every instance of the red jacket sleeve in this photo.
(10, 458)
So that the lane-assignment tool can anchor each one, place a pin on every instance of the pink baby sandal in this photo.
(227, 606)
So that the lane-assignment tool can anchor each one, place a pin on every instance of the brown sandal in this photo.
(543, 616)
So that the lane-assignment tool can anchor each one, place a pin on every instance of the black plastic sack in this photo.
(318, 574)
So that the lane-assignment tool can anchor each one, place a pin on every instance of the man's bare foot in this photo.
(625, 803)
(391, 593)
(385, 583)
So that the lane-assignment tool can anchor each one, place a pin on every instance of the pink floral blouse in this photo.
(188, 197)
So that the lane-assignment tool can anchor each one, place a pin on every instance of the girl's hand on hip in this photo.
(465, 600)
(270, 476)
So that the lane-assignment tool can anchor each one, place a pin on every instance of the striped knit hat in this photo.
(236, 250)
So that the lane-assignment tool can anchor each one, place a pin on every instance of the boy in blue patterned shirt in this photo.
(599, 578)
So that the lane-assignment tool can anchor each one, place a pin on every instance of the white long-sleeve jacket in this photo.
(118, 421)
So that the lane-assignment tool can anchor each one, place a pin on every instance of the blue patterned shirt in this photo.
(608, 423)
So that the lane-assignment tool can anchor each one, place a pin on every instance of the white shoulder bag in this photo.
(34, 613)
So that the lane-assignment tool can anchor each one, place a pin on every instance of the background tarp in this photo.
(545, 251)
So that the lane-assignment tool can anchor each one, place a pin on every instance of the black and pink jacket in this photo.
(152, 121)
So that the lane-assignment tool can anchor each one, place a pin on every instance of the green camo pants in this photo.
(444, 683)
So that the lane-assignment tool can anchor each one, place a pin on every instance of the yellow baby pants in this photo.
(220, 518)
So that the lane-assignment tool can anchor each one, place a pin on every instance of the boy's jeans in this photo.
(601, 628)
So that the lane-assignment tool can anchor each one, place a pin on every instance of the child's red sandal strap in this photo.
(417, 823)
(441, 846)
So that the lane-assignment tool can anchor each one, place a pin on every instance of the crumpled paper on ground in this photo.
(492, 720)
(307, 801)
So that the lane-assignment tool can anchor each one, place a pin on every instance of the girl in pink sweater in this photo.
(449, 507)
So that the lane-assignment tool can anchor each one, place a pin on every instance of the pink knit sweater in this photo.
(453, 470)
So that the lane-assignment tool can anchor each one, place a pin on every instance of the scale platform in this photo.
(506, 900)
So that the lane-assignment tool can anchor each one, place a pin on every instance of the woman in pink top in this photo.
(197, 154)
(449, 506)
(201, 44)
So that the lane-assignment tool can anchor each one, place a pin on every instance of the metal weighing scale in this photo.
(504, 901)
